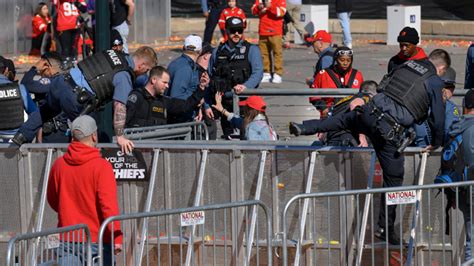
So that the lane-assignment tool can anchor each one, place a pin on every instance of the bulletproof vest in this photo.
(99, 71)
(150, 112)
(405, 85)
(231, 68)
(11, 106)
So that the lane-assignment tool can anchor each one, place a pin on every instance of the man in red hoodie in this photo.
(82, 190)
(408, 39)
(270, 33)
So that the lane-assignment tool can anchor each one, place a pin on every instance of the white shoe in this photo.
(266, 78)
(349, 45)
(276, 78)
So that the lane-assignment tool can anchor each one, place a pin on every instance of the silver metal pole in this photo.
(258, 192)
(365, 215)
(197, 201)
(309, 183)
(149, 198)
(42, 205)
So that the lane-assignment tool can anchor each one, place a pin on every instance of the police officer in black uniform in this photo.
(235, 66)
(106, 76)
(405, 96)
(148, 106)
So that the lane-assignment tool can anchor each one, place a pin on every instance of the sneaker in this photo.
(349, 45)
(266, 78)
(276, 78)
(393, 238)
(296, 129)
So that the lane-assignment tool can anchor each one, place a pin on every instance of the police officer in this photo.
(97, 80)
(211, 10)
(14, 101)
(404, 98)
(235, 66)
(48, 68)
(149, 107)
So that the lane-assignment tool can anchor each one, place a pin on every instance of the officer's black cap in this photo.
(234, 23)
(469, 99)
(4, 62)
(115, 38)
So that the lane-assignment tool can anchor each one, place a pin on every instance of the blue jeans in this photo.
(74, 254)
(345, 21)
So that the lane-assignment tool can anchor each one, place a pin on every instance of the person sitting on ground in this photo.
(339, 75)
(321, 41)
(368, 89)
(40, 39)
(149, 107)
(255, 121)
(408, 39)
(232, 11)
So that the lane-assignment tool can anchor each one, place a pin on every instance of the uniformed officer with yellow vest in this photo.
(148, 106)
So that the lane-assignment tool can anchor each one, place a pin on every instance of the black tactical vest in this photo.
(150, 111)
(405, 85)
(231, 68)
(11, 106)
(100, 69)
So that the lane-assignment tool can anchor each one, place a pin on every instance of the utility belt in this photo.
(391, 130)
(84, 97)
(55, 125)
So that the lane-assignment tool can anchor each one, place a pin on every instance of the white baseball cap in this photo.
(193, 43)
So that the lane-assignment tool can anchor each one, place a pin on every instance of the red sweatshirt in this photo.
(39, 25)
(228, 13)
(82, 189)
(271, 18)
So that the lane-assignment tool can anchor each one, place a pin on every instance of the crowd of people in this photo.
(410, 106)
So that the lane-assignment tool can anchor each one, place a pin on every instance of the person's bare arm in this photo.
(120, 115)
(131, 10)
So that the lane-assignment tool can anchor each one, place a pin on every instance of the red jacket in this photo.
(399, 58)
(271, 19)
(82, 189)
(67, 14)
(323, 80)
(39, 25)
(231, 12)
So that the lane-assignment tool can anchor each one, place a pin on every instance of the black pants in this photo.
(68, 40)
(36, 45)
(391, 162)
(211, 23)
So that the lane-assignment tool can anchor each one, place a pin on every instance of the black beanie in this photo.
(409, 35)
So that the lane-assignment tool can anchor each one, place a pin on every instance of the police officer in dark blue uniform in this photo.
(98, 79)
(49, 69)
(405, 96)
(14, 101)
(235, 66)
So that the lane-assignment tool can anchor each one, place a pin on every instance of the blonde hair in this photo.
(148, 54)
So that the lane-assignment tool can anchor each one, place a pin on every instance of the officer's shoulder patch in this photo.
(45, 81)
(132, 98)
(322, 71)
(456, 111)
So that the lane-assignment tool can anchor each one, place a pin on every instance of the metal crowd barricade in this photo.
(222, 238)
(429, 241)
(187, 131)
(61, 246)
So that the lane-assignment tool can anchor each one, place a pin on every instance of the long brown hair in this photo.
(250, 114)
(38, 10)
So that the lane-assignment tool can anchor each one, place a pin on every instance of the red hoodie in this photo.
(82, 189)
(400, 58)
(271, 18)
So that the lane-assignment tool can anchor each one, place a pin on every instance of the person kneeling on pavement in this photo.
(411, 93)
(149, 107)
(255, 121)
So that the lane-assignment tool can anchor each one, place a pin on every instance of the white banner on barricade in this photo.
(192, 218)
(400, 197)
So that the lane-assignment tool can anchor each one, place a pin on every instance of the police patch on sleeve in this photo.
(132, 98)
(45, 81)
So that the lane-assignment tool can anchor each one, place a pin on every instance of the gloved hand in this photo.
(296, 129)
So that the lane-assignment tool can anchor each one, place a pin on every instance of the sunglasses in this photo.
(234, 31)
(344, 52)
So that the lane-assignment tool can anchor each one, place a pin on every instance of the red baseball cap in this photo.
(254, 102)
(322, 35)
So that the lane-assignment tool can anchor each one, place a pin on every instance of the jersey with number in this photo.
(67, 14)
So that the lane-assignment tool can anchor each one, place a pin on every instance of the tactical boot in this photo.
(297, 129)
(19, 139)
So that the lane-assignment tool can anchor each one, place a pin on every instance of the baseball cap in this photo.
(254, 102)
(468, 101)
(193, 43)
(115, 38)
(83, 126)
(449, 77)
(4, 62)
(234, 23)
(409, 35)
(321, 35)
